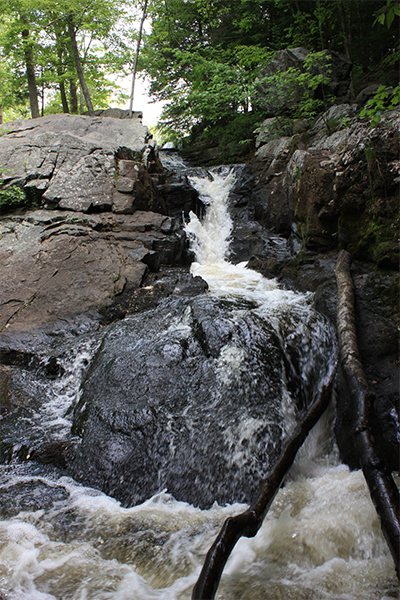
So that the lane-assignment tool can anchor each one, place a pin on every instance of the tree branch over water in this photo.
(383, 490)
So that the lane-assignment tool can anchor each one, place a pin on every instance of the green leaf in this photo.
(389, 18)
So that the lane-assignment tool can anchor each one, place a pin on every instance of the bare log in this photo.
(383, 490)
(249, 522)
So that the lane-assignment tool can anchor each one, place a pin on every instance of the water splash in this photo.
(210, 242)
(210, 238)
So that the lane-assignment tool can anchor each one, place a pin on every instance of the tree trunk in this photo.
(30, 72)
(63, 94)
(42, 93)
(137, 56)
(1, 114)
(383, 490)
(78, 65)
(346, 30)
(249, 522)
(60, 73)
(73, 97)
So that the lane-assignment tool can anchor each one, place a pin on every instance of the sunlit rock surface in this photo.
(106, 216)
(72, 160)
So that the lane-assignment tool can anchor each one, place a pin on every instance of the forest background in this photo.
(202, 58)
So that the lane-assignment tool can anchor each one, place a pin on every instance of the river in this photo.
(60, 540)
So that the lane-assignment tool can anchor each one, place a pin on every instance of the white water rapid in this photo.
(210, 242)
(320, 541)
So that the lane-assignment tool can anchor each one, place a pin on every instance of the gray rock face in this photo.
(103, 221)
(57, 263)
(190, 397)
(333, 184)
(73, 160)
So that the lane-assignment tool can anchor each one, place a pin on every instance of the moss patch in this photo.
(370, 237)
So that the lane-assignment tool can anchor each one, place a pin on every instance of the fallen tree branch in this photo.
(383, 490)
(249, 522)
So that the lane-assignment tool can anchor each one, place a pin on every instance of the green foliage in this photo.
(387, 13)
(384, 99)
(202, 56)
(292, 92)
(11, 197)
(230, 136)
(41, 25)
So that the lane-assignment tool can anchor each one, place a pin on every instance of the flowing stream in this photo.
(59, 540)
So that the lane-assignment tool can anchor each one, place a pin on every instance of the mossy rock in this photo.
(369, 238)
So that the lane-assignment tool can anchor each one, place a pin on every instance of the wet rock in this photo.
(186, 397)
(29, 493)
(28, 360)
(179, 196)
(156, 287)
(56, 453)
(377, 310)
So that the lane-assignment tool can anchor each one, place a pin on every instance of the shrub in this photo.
(12, 196)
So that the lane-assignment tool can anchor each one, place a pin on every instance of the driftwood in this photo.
(383, 490)
(249, 522)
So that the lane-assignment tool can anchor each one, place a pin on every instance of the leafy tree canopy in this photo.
(203, 56)
(36, 35)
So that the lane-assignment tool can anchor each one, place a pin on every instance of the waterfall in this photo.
(321, 539)
(210, 243)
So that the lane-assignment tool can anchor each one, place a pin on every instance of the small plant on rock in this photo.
(12, 196)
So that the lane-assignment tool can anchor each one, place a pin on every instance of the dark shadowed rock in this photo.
(188, 397)
(336, 187)
(156, 287)
(377, 310)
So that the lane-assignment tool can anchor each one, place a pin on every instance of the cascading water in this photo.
(320, 540)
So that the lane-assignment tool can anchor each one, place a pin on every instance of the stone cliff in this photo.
(104, 218)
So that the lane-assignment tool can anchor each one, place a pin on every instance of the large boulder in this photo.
(72, 161)
(336, 185)
(105, 216)
(191, 397)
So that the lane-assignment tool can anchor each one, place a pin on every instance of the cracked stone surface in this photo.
(57, 263)
(73, 160)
